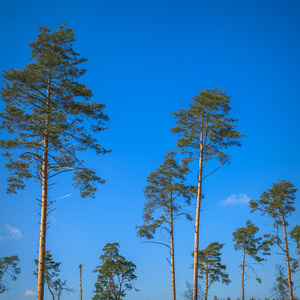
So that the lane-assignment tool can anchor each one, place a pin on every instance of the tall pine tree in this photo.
(278, 203)
(205, 130)
(167, 196)
(49, 114)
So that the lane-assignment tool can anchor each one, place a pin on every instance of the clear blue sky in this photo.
(147, 59)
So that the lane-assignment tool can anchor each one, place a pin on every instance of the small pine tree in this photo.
(115, 274)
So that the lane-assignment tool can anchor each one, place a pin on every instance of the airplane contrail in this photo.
(63, 197)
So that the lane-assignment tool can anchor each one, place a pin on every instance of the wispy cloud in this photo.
(29, 293)
(14, 232)
(235, 199)
(1, 237)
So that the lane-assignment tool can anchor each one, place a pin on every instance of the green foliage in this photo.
(8, 265)
(295, 235)
(49, 114)
(277, 202)
(255, 247)
(55, 286)
(210, 266)
(167, 195)
(115, 274)
(280, 289)
(205, 127)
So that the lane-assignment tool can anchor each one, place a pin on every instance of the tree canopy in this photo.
(115, 274)
(8, 265)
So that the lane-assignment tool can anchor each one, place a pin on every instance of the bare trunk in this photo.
(206, 284)
(243, 274)
(80, 283)
(44, 205)
(287, 259)
(197, 223)
(172, 250)
(43, 224)
(109, 282)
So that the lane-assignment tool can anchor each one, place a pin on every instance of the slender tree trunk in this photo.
(80, 281)
(172, 249)
(53, 297)
(44, 205)
(206, 284)
(197, 223)
(287, 259)
(243, 274)
(43, 224)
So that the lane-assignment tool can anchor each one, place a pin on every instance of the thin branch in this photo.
(157, 243)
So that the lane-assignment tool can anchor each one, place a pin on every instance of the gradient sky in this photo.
(147, 59)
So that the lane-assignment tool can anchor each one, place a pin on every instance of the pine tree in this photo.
(115, 274)
(278, 203)
(205, 130)
(167, 195)
(210, 266)
(8, 265)
(281, 287)
(245, 239)
(55, 286)
(49, 115)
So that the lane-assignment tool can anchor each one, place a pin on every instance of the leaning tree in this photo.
(205, 131)
(51, 119)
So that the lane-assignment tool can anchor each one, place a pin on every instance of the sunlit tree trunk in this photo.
(172, 249)
(44, 204)
(206, 284)
(197, 222)
(287, 259)
(243, 274)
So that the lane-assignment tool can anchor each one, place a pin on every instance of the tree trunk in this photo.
(43, 224)
(197, 223)
(206, 284)
(287, 259)
(53, 297)
(243, 274)
(44, 204)
(172, 249)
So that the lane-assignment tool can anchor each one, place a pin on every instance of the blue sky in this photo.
(147, 59)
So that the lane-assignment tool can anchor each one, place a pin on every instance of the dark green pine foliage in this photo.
(42, 102)
(246, 240)
(205, 131)
(52, 269)
(166, 193)
(278, 203)
(51, 119)
(280, 288)
(210, 265)
(115, 274)
(8, 265)
(167, 196)
(295, 235)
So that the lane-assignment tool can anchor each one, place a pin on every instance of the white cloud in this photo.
(29, 293)
(235, 199)
(14, 232)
